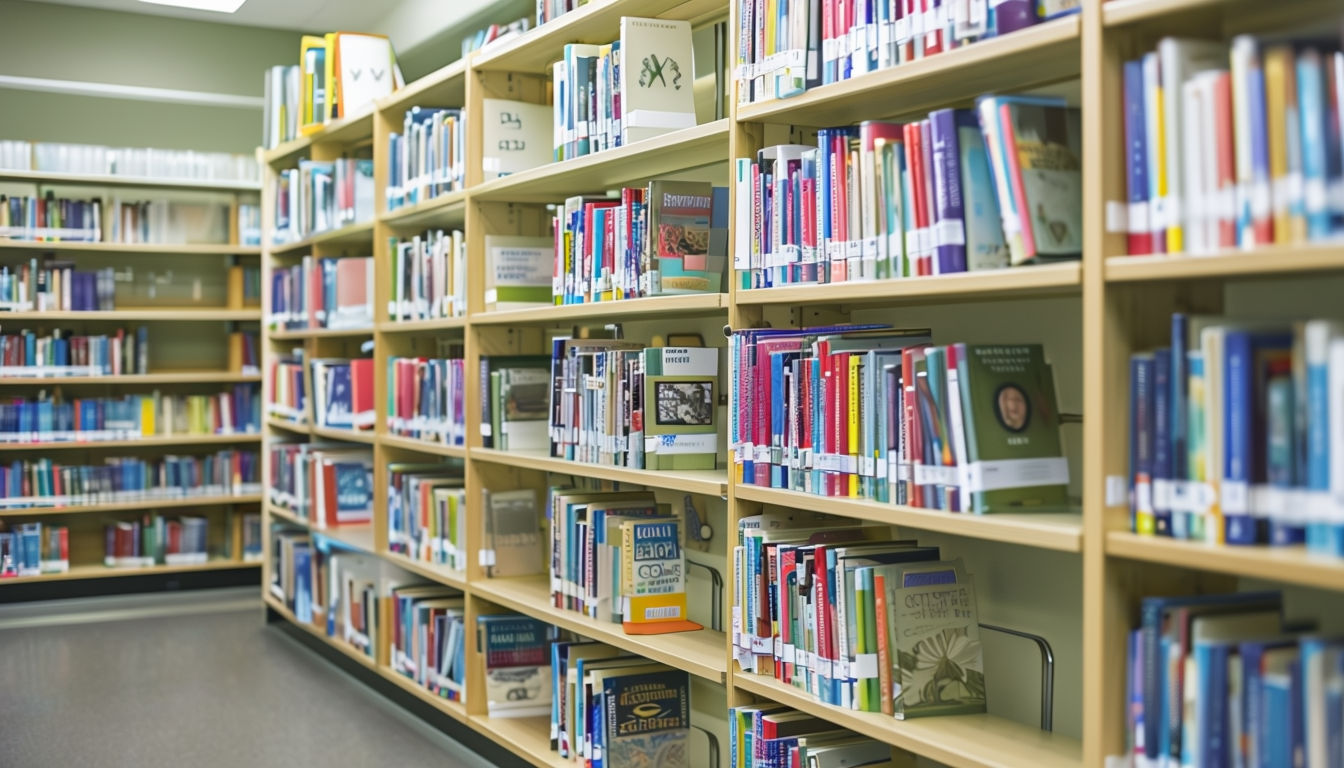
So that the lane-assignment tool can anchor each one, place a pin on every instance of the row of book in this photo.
(343, 393)
(320, 196)
(428, 158)
(27, 214)
(56, 286)
(32, 549)
(322, 293)
(774, 736)
(427, 514)
(1233, 146)
(1237, 435)
(289, 390)
(326, 484)
(667, 238)
(426, 399)
(857, 619)
(429, 276)
(634, 88)
(338, 74)
(429, 638)
(1227, 679)
(44, 483)
(59, 354)
(789, 46)
(621, 403)
(330, 587)
(50, 418)
(963, 190)
(494, 33)
(616, 557)
(515, 391)
(876, 412)
(156, 540)
(143, 162)
(243, 353)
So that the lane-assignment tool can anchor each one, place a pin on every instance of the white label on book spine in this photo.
(864, 666)
(1017, 473)
(1143, 497)
(934, 474)
(1313, 192)
(1236, 498)
(788, 654)
(487, 558)
(949, 232)
(902, 30)
(867, 466)
(1117, 216)
(1162, 494)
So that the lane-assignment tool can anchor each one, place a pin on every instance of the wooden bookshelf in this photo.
(447, 210)
(528, 737)
(651, 308)
(75, 246)
(1264, 262)
(1289, 565)
(351, 129)
(132, 506)
(99, 571)
(151, 441)
(423, 446)
(352, 234)
(133, 379)
(321, 333)
(1015, 283)
(422, 326)
(116, 180)
(157, 314)
(345, 435)
(713, 482)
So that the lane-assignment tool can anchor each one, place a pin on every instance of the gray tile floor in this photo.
(189, 679)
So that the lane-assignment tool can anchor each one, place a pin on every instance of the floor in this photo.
(189, 679)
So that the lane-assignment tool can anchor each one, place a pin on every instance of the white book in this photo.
(657, 74)
(518, 271)
(1180, 59)
(514, 136)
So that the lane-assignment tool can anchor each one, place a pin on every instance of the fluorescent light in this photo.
(218, 6)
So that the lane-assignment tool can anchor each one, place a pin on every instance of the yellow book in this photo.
(855, 365)
(1278, 61)
(312, 52)
(1174, 237)
(333, 108)
(771, 12)
(147, 417)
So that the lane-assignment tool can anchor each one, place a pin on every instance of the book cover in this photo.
(653, 576)
(513, 533)
(517, 271)
(1046, 154)
(936, 641)
(648, 720)
(517, 660)
(515, 136)
(523, 408)
(678, 257)
(681, 400)
(656, 78)
(985, 246)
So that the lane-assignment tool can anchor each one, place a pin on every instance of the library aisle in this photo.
(190, 679)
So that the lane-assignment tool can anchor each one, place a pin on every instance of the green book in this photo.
(681, 407)
(933, 628)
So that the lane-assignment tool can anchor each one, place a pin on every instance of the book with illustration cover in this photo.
(517, 661)
(678, 258)
(933, 637)
(653, 576)
(647, 719)
(656, 76)
(681, 406)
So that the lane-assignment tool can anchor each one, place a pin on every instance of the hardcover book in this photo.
(653, 576)
(648, 720)
(656, 78)
(1045, 156)
(678, 256)
(517, 271)
(681, 407)
(517, 660)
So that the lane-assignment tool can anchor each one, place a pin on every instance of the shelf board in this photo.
(1268, 261)
(1041, 54)
(319, 333)
(710, 482)
(123, 506)
(358, 537)
(436, 572)
(134, 379)
(703, 653)
(956, 740)
(422, 446)
(276, 422)
(418, 326)
(174, 315)
(351, 129)
(444, 87)
(629, 309)
(279, 607)
(447, 210)
(1061, 531)
(139, 442)
(345, 435)
(1228, 17)
(527, 737)
(597, 22)
(676, 151)
(99, 571)
(1012, 283)
(182, 249)
(1120, 12)
(352, 234)
(113, 180)
(287, 515)
(1290, 565)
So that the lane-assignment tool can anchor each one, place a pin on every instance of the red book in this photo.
(914, 162)
(788, 559)
(1226, 153)
(839, 422)
(821, 606)
(933, 36)
(883, 650)
(914, 435)
(314, 298)
(1006, 127)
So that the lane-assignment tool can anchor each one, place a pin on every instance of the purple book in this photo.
(949, 233)
(926, 138)
(1012, 15)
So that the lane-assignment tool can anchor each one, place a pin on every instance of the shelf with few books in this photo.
(345, 435)
(133, 379)
(1009, 283)
(671, 152)
(423, 446)
(711, 482)
(353, 234)
(447, 210)
(422, 326)
(1288, 565)
(156, 314)
(647, 308)
(955, 740)
(436, 572)
(702, 653)
(1264, 261)
(143, 504)
(528, 737)
(350, 129)
(116, 180)
(150, 441)
(79, 246)
(320, 333)
(1038, 55)
(1061, 531)
(599, 22)
(100, 571)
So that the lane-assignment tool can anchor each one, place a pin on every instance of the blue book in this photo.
(1141, 443)
(1252, 696)
(1162, 448)
(1320, 532)
(1247, 359)
(1178, 418)
(1136, 149)
(950, 232)
(340, 405)
(1311, 99)
(630, 735)
(1212, 718)
(303, 582)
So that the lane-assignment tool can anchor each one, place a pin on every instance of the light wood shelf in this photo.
(422, 326)
(356, 536)
(351, 234)
(184, 249)
(345, 435)
(422, 446)
(133, 506)
(151, 441)
(1269, 261)
(275, 422)
(444, 87)
(99, 571)
(712, 482)
(552, 183)
(447, 210)
(1037, 55)
(115, 180)
(649, 307)
(158, 314)
(1061, 531)
(320, 333)
(703, 652)
(1288, 565)
(956, 740)
(134, 379)
(1015, 283)
(436, 572)
(347, 130)
(528, 737)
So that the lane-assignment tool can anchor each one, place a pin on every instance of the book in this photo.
(653, 577)
(516, 656)
(655, 92)
(680, 390)
(427, 158)
(514, 138)
(677, 256)
(429, 276)
(512, 534)
(647, 719)
(517, 271)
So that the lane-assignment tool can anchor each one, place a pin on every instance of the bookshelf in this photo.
(1091, 314)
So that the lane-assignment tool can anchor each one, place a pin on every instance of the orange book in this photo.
(883, 649)
(361, 392)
